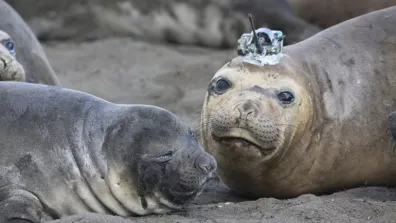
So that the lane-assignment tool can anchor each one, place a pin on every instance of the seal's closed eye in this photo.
(164, 158)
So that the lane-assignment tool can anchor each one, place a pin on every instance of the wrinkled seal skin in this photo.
(28, 49)
(10, 68)
(65, 152)
(331, 136)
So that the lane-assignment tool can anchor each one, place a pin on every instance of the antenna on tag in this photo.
(255, 38)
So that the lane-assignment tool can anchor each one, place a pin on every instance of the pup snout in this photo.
(205, 163)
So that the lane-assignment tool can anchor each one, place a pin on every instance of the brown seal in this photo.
(332, 12)
(206, 23)
(313, 123)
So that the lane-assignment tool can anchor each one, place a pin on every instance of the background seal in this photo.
(29, 50)
(10, 68)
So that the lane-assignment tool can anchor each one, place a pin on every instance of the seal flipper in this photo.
(19, 206)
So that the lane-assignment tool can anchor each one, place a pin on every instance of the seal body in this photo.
(65, 152)
(30, 53)
(313, 123)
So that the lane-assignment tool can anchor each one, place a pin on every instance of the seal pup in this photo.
(30, 53)
(10, 68)
(65, 152)
(315, 122)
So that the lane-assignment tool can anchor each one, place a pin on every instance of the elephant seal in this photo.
(65, 152)
(315, 122)
(30, 53)
(10, 68)
(209, 23)
(331, 12)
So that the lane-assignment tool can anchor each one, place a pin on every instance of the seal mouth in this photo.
(196, 191)
(177, 199)
(243, 142)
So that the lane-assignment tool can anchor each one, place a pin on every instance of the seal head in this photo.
(164, 158)
(10, 68)
(251, 115)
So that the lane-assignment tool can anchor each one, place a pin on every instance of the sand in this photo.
(124, 70)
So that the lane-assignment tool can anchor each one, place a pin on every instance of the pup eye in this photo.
(222, 85)
(286, 97)
(9, 45)
(164, 158)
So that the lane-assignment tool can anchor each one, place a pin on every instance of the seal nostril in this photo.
(246, 106)
(205, 164)
(247, 109)
(205, 167)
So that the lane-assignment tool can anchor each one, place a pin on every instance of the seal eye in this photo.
(9, 45)
(286, 97)
(222, 85)
(164, 158)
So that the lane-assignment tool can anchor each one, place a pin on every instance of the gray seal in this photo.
(65, 152)
(30, 53)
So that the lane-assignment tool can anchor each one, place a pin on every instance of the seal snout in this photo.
(247, 109)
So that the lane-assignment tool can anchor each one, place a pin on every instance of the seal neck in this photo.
(95, 167)
(121, 132)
